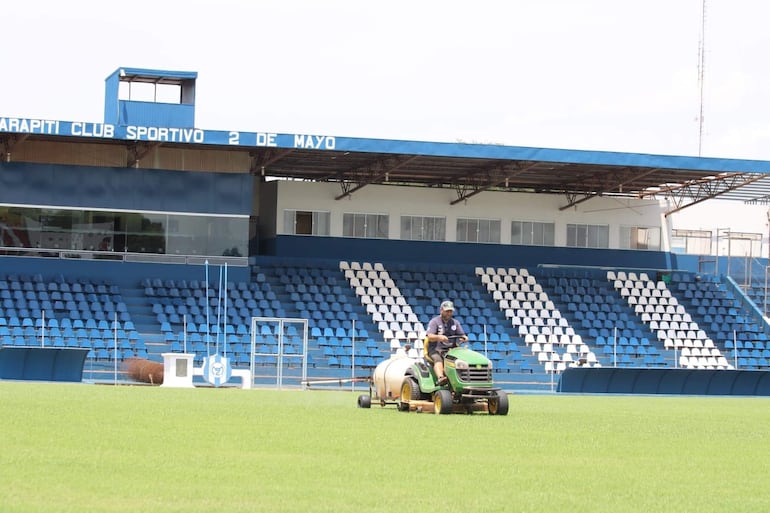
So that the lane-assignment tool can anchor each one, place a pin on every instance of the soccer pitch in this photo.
(77, 448)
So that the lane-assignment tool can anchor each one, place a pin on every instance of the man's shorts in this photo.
(437, 356)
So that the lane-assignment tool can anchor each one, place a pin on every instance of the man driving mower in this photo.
(444, 332)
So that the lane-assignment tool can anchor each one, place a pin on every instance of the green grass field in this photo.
(83, 448)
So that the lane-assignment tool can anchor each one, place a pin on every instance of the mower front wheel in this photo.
(364, 401)
(498, 405)
(442, 402)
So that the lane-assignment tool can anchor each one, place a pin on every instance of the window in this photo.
(588, 236)
(478, 230)
(370, 226)
(302, 222)
(639, 237)
(423, 228)
(533, 233)
(102, 231)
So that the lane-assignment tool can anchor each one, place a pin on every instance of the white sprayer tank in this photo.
(389, 375)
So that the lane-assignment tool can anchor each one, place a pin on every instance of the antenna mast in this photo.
(701, 73)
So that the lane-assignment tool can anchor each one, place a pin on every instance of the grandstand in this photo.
(108, 229)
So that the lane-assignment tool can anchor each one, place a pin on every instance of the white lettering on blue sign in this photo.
(165, 134)
(265, 139)
(315, 142)
(93, 129)
(161, 134)
(29, 126)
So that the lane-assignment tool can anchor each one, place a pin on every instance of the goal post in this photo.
(282, 339)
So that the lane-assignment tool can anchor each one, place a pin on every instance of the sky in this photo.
(614, 75)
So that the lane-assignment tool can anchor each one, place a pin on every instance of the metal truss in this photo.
(261, 159)
(488, 178)
(375, 172)
(137, 151)
(614, 185)
(693, 192)
(8, 143)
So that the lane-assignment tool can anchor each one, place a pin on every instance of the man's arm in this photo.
(432, 332)
(461, 332)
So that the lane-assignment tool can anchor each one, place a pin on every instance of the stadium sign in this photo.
(165, 134)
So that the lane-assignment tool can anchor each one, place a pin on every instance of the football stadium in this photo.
(191, 320)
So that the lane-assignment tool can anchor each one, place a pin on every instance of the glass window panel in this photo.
(592, 236)
(406, 227)
(549, 238)
(288, 222)
(516, 232)
(582, 236)
(320, 222)
(381, 231)
(348, 225)
(494, 232)
(462, 230)
(603, 237)
(537, 233)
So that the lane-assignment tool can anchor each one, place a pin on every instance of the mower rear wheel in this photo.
(498, 405)
(410, 391)
(442, 402)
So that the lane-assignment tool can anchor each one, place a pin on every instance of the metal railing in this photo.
(154, 258)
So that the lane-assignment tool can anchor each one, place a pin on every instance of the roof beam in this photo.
(626, 179)
(261, 159)
(373, 173)
(9, 142)
(698, 191)
(504, 174)
(572, 199)
(137, 151)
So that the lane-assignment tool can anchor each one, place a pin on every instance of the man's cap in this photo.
(447, 305)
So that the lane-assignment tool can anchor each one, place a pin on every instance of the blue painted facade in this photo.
(375, 250)
(123, 113)
(125, 188)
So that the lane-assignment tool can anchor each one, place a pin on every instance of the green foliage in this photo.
(75, 448)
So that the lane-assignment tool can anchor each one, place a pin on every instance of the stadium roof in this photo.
(468, 168)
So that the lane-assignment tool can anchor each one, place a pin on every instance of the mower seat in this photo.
(426, 351)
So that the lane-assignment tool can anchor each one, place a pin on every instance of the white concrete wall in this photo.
(421, 201)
